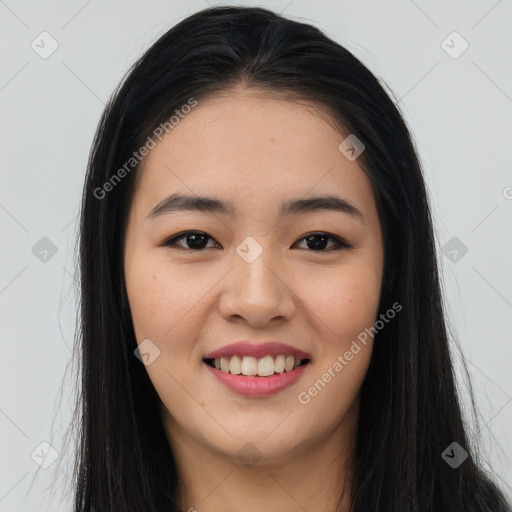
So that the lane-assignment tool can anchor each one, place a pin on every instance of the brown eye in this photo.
(194, 240)
(197, 241)
(319, 241)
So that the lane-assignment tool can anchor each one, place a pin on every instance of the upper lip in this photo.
(259, 350)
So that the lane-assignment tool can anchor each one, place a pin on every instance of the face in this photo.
(309, 278)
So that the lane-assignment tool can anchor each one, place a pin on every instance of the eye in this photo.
(197, 240)
(318, 241)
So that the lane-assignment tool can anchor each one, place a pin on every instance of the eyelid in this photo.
(171, 241)
(341, 243)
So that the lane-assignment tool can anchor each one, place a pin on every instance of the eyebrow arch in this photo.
(179, 202)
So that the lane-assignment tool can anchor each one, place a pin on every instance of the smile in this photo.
(252, 366)
(254, 385)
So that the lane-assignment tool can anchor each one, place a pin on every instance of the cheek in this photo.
(160, 296)
(346, 302)
(345, 299)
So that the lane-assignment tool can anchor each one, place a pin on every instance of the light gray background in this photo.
(460, 113)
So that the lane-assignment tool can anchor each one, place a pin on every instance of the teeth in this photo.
(249, 366)
(224, 364)
(266, 366)
(279, 364)
(235, 365)
(263, 367)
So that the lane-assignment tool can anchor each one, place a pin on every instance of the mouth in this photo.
(253, 377)
(250, 366)
(257, 370)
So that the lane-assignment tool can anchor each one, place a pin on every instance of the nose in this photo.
(259, 292)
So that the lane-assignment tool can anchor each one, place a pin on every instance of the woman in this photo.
(262, 322)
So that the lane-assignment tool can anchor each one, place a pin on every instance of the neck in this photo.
(311, 478)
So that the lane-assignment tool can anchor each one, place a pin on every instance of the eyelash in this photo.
(341, 244)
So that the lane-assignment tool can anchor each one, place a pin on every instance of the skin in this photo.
(256, 150)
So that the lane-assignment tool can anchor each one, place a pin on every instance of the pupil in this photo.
(196, 244)
(317, 246)
(314, 242)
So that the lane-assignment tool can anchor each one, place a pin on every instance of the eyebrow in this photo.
(179, 202)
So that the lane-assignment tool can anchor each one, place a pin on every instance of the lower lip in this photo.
(258, 386)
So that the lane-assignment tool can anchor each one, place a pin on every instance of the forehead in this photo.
(251, 148)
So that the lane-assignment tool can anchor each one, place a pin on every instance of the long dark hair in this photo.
(410, 410)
